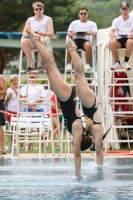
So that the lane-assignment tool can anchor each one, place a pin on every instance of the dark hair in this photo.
(46, 87)
(32, 73)
(83, 9)
(86, 142)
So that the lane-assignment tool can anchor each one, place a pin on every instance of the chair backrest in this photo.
(13, 123)
(30, 121)
(47, 123)
(124, 130)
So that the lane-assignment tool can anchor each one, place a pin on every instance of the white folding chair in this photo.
(94, 58)
(47, 127)
(11, 129)
(30, 121)
(7, 134)
(124, 132)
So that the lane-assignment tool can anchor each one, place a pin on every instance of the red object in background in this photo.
(8, 117)
(128, 108)
(121, 152)
(54, 99)
(120, 90)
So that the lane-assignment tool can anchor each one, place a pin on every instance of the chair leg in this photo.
(44, 142)
(128, 139)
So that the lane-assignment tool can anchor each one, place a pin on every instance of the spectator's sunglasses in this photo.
(38, 9)
(32, 76)
(84, 13)
(124, 8)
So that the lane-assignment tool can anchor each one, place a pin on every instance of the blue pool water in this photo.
(53, 179)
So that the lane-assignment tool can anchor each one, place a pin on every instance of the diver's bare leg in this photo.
(82, 87)
(97, 132)
(58, 85)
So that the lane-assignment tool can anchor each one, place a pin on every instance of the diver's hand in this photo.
(77, 178)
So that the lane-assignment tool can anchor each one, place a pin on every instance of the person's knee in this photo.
(25, 42)
(129, 43)
(87, 46)
(112, 43)
(43, 41)
(26, 45)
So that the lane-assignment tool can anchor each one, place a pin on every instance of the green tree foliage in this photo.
(14, 13)
(109, 10)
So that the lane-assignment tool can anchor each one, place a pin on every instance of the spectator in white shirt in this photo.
(43, 25)
(123, 27)
(80, 31)
(34, 92)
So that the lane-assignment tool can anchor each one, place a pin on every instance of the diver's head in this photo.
(86, 142)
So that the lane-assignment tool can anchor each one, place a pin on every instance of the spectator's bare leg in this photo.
(88, 51)
(129, 48)
(39, 60)
(26, 46)
(39, 63)
(114, 45)
(68, 57)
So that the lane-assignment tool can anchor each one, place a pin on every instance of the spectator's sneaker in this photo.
(126, 66)
(69, 67)
(87, 67)
(116, 66)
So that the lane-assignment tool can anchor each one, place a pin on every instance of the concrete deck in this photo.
(83, 155)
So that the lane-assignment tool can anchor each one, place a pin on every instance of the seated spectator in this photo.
(80, 31)
(123, 26)
(43, 25)
(34, 92)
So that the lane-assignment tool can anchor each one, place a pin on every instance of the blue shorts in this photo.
(30, 110)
